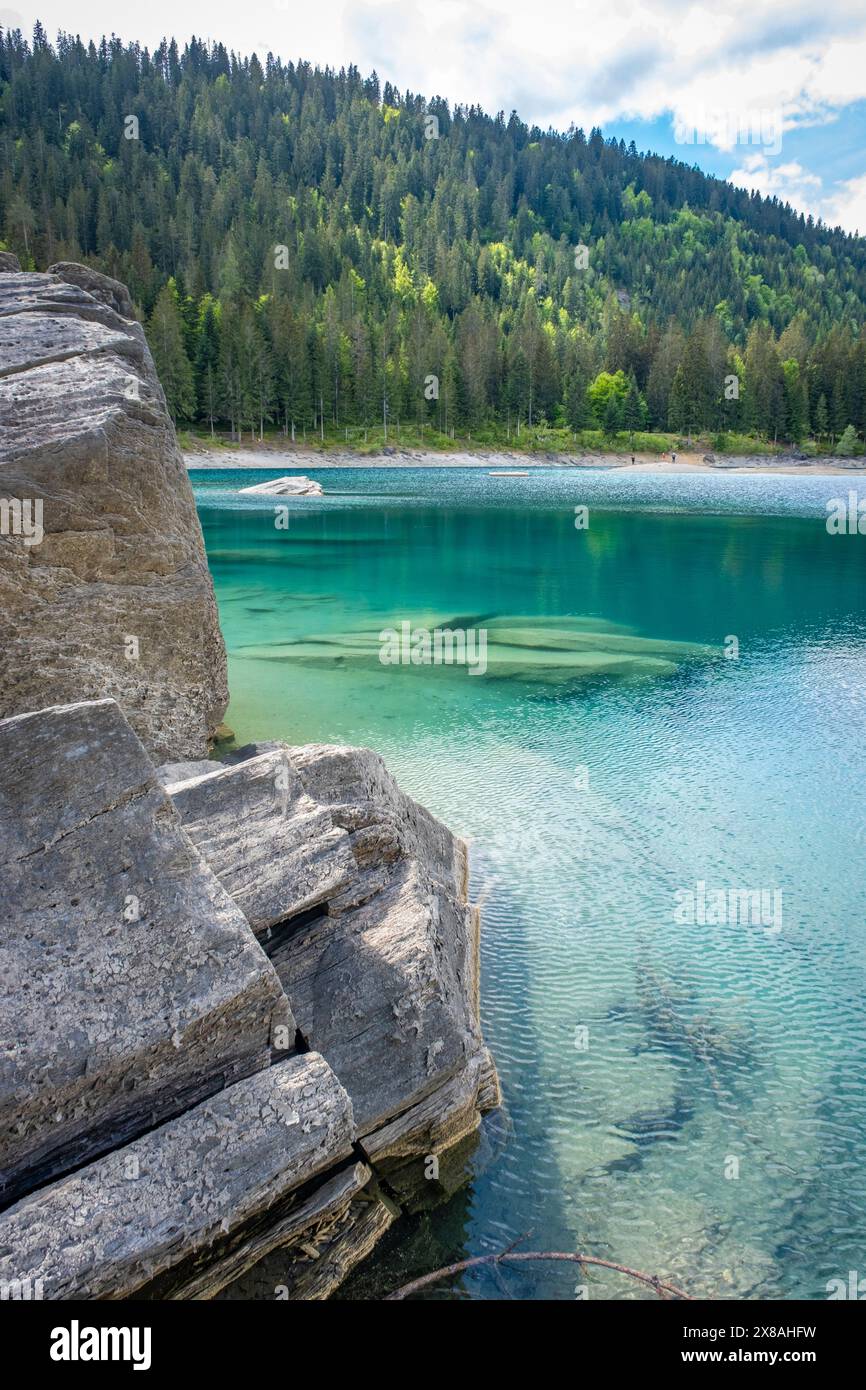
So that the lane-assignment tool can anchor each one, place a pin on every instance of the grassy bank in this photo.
(538, 440)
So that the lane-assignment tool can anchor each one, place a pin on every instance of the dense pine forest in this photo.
(313, 252)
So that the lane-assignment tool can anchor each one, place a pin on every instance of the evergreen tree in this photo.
(207, 360)
(166, 338)
(634, 409)
(614, 415)
(661, 375)
(796, 401)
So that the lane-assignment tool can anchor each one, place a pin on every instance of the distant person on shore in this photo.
(673, 458)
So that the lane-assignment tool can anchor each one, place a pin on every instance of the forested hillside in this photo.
(314, 252)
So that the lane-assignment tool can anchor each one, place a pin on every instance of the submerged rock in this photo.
(110, 593)
(544, 651)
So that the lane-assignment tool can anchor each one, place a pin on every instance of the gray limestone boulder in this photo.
(102, 287)
(104, 583)
(384, 979)
(384, 824)
(150, 1064)
(274, 849)
(179, 1212)
(289, 486)
(386, 992)
(131, 985)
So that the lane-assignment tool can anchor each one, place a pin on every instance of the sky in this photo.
(770, 94)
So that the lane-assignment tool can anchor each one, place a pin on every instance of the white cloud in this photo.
(842, 205)
(846, 205)
(790, 182)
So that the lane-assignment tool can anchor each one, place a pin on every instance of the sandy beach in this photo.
(300, 459)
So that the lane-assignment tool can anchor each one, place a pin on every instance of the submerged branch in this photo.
(512, 1256)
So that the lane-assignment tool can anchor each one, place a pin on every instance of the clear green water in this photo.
(706, 1042)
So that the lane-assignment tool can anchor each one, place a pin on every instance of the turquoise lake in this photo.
(614, 756)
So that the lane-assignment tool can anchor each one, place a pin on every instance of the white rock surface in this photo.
(287, 487)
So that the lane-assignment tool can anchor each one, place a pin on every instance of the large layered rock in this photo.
(384, 825)
(151, 1081)
(272, 847)
(383, 977)
(131, 984)
(116, 599)
(384, 991)
(178, 1211)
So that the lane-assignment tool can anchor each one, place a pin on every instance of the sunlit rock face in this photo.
(244, 1005)
(104, 584)
(132, 985)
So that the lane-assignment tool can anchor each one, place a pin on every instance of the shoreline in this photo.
(299, 459)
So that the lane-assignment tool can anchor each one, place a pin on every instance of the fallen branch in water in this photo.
(511, 1256)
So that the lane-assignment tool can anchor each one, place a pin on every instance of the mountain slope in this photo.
(310, 249)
